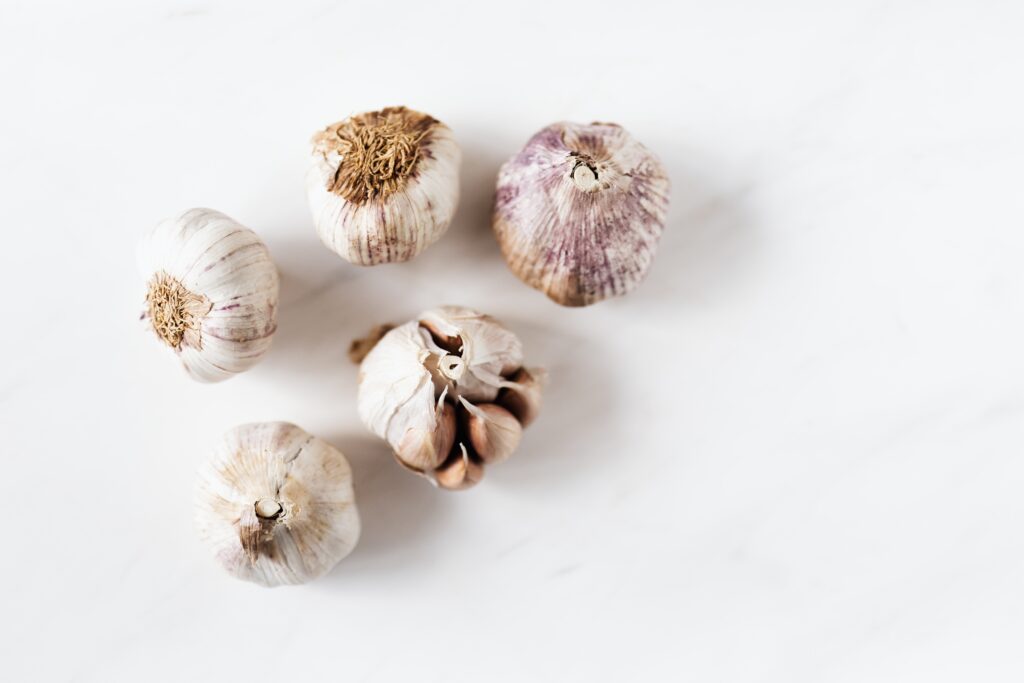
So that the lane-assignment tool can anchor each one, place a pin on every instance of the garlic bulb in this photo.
(383, 185)
(275, 504)
(578, 212)
(211, 292)
(448, 392)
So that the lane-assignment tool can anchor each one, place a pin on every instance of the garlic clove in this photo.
(493, 431)
(579, 212)
(522, 393)
(275, 504)
(424, 450)
(383, 185)
(212, 292)
(459, 472)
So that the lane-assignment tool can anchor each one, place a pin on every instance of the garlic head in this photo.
(579, 212)
(383, 185)
(449, 393)
(211, 292)
(276, 505)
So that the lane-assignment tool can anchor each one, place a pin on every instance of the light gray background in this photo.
(794, 454)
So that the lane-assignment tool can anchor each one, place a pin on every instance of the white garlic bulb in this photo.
(383, 185)
(211, 292)
(275, 504)
(448, 392)
(579, 211)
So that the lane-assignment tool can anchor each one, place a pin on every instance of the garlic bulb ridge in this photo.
(211, 292)
(579, 211)
(449, 393)
(383, 185)
(275, 504)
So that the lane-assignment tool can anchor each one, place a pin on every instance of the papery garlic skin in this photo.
(276, 505)
(383, 185)
(487, 351)
(212, 292)
(579, 212)
(398, 390)
(430, 387)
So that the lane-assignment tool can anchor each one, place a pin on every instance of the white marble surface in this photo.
(795, 454)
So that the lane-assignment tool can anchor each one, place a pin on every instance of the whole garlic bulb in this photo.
(383, 185)
(211, 292)
(275, 504)
(449, 393)
(578, 212)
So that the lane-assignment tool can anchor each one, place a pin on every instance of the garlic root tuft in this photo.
(174, 311)
(211, 292)
(383, 185)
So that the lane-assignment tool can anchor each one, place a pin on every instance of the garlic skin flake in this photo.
(383, 185)
(276, 505)
(212, 292)
(449, 393)
(579, 211)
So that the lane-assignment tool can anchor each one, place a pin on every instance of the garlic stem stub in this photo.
(275, 504)
(383, 185)
(579, 212)
(448, 392)
(211, 292)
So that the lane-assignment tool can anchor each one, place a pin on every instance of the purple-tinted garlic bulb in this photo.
(579, 211)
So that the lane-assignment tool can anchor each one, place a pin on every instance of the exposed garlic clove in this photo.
(275, 504)
(493, 431)
(383, 185)
(212, 292)
(459, 472)
(522, 394)
(579, 211)
(448, 353)
(424, 450)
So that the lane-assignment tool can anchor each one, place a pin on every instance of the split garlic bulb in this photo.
(211, 292)
(578, 212)
(449, 393)
(275, 504)
(383, 185)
